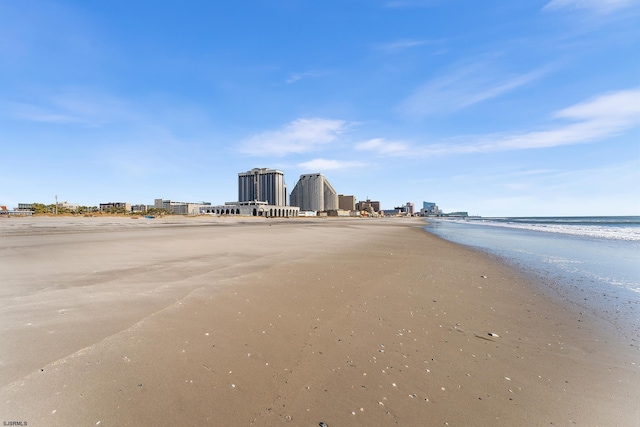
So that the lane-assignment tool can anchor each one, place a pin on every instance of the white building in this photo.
(314, 193)
(252, 209)
(180, 208)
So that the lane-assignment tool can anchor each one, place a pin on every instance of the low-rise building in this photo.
(4, 212)
(180, 208)
(406, 209)
(347, 203)
(370, 206)
(430, 208)
(70, 207)
(115, 206)
(252, 209)
(338, 212)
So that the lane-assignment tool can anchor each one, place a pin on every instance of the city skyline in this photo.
(262, 185)
(498, 109)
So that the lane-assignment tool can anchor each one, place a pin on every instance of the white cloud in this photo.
(385, 148)
(463, 87)
(605, 116)
(299, 136)
(602, 117)
(600, 6)
(620, 107)
(325, 164)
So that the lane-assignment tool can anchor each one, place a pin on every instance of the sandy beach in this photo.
(234, 322)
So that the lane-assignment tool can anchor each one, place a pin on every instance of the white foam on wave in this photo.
(598, 231)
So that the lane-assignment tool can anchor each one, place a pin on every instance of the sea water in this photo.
(593, 262)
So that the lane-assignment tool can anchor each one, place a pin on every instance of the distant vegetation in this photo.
(41, 208)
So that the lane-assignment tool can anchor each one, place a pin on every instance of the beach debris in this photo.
(322, 424)
(493, 334)
(484, 277)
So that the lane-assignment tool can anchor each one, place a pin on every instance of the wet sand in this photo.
(225, 322)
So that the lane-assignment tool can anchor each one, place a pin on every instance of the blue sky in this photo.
(494, 107)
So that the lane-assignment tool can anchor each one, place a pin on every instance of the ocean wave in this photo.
(617, 232)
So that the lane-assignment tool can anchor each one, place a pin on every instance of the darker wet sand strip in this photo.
(348, 322)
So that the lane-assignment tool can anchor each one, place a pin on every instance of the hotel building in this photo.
(261, 192)
(314, 193)
(262, 185)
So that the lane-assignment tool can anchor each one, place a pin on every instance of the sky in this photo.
(498, 108)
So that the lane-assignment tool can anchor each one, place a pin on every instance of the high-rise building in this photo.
(314, 193)
(262, 185)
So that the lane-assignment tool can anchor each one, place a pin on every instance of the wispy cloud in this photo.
(463, 87)
(146, 153)
(399, 4)
(295, 77)
(326, 164)
(599, 6)
(399, 45)
(299, 136)
(70, 106)
(599, 118)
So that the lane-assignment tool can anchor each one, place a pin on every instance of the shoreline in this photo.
(376, 322)
(583, 288)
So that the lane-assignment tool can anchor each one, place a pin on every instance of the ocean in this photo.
(593, 262)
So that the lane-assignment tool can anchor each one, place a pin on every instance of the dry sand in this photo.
(117, 322)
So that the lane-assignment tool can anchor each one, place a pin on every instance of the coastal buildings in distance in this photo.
(262, 192)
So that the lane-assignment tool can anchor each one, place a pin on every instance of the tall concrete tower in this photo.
(262, 185)
(314, 193)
